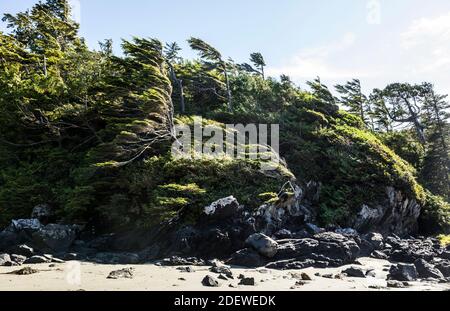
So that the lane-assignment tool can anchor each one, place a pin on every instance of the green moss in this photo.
(445, 239)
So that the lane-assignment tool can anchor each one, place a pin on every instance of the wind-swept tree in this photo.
(213, 60)
(436, 168)
(379, 113)
(321, 91)
(258, 60)
(171, 53)
(404, 106)
(354, 99)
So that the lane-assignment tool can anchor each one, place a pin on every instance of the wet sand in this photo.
(73, 276)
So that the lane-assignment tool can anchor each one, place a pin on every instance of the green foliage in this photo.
(406, 146)
(445, 239)
(435, 217)
(89, 132)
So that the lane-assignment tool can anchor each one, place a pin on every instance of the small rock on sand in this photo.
(210, 281)
(25, 271)
(127, 273)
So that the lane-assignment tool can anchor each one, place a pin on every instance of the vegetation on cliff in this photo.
(90, 133)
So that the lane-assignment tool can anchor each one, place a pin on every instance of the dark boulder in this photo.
(127, 273)
(444, 267)
(117, 258)
(179, 261)
(337, 247)
(37, 260)
(210, 281)
(283, 234)
(292, 264)
(23, 250)
(247, 282)
(409, 250)
(246, 258)
(375, 239)
(8, 239)
(289, 249)
(225, 208)
(330, 247)
(314, 229)
(5, 259)
(26, 225)
(426, 270)
(379, 255)
(403, 273)
(54, 237)
(445, 255)
(355, 272)
(397, 284)
(19, 259)
(263, 245)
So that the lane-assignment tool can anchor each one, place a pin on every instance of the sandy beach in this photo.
(74, 276)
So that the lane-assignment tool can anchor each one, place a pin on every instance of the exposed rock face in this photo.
(398, 214)
(290, 209)
(263, 244)
(29, 225)
(223, 208)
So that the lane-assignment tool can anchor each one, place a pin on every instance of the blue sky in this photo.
(378, 41)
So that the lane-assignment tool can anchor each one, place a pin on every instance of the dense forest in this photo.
(90, 133)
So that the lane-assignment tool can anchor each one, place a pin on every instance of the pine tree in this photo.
(258, 60)
(404, 106)
(171, 51)
(321, 91)
(213, 59)
(436, 170)
(354, 99)
(379, 113)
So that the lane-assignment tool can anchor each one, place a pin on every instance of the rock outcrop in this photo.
(398, 214)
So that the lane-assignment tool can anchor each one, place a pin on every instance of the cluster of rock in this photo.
(275, 237)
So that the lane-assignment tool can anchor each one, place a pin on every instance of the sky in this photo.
(376, 41)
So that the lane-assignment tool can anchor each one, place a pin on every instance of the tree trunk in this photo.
(45, 66)
(227, 80)
(182, 103)
(420, 130)
(179, 83)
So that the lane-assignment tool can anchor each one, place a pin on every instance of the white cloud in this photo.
(416, 53)
(427, 41)
(317, 61)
